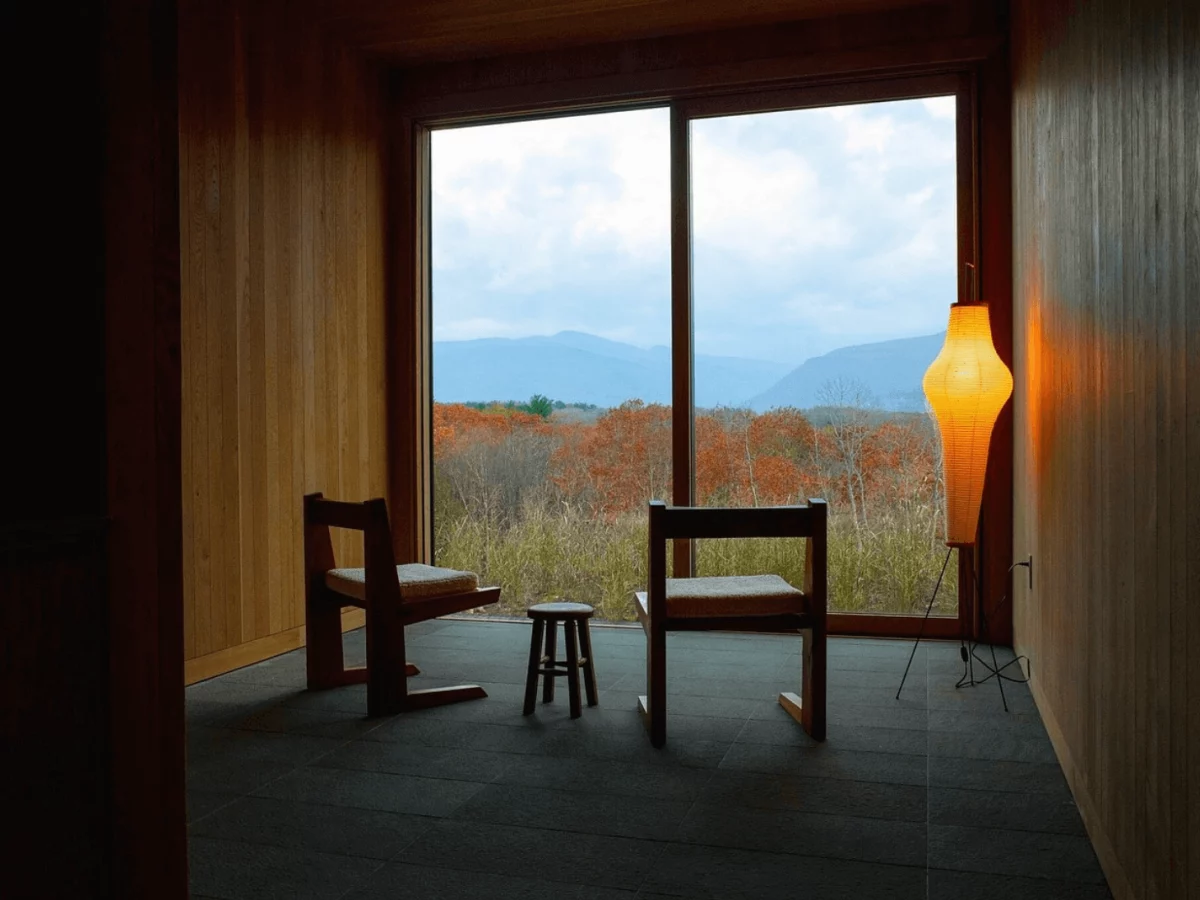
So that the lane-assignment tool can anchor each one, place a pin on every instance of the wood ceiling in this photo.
(413, 32)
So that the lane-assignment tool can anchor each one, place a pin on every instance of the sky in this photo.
(813, 229)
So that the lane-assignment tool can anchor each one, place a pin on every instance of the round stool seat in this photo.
(560, 610)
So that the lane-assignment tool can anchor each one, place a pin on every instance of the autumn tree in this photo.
(848, 404)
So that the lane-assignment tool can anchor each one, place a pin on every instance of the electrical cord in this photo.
(995, 670)
(969, 657)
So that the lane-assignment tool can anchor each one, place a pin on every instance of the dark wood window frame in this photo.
(410, 276)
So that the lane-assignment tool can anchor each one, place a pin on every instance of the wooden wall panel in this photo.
(281, 156)
(1107, 272)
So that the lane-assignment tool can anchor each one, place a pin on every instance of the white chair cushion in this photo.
(732, 595)
(417, 582)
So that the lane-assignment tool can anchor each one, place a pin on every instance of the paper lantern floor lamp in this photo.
(967, 385)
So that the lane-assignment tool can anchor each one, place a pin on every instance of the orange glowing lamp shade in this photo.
(967, 386)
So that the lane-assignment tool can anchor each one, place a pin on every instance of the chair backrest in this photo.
(810, 521)
(371, 518)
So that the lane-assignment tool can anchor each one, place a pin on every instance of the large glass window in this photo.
(825, 257)
(551, 319)
(809, 253)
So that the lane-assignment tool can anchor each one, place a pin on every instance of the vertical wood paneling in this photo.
(280, 148)
(1106, 225)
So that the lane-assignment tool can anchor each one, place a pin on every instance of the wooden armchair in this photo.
(758, 603)
(393, 597)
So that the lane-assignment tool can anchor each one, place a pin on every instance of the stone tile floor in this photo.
(938, 795)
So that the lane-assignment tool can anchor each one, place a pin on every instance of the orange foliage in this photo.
(454, 424)
(623, 459)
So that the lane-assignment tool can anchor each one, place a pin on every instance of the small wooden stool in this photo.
(574, 617)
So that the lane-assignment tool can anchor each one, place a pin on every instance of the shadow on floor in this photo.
(937, 795)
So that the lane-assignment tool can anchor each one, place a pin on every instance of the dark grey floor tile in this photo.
(1052, 812)
(895, 716)
(231, 870)
(562, 810)
(712, 707)
(311, 722)
(767, 671)
(1025, 853)
(885, 665)
(984, 698)
(997, 775)
(200, 712)
(233, 774)
(287, 671)
(634, 746)
(714, 873)
(857, 648)
(785, 730)
(436, 732)
(913, 697)
(236, 695)
(807, 834)
(706, 687)
(327, 829)
(420, 759)
(602, 776)
(372, 790)
(267, 746)
(202, 803)
(882, 684)
(404, 880)
(902, 802)
(823, 762)
(944, 885)
(349, 699)
(1027, 725)
(590, 859)
(736, 770)
(991, 745)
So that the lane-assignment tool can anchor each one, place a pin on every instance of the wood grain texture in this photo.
(148, 839)
(434, 30)
(1107, 272)
(281, 228)
(819, 51)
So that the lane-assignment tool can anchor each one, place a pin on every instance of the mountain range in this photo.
(583, 368)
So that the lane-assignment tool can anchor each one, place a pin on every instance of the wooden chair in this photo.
(393, 597)
(758, 603)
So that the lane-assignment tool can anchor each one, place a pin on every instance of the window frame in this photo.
(410, 322)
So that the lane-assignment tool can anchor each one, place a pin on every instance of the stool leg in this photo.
(549, 660)
(571, 638)
(535, 663)
(589, 670)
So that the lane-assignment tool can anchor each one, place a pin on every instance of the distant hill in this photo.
(582, 368)
(890, 370)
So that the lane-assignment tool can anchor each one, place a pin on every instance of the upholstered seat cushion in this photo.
(732, 595)
(417, 582)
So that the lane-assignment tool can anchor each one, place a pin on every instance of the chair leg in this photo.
(571, 639)
(535, 663)
(654, 704)
(809, 708)
(589, 669)
(814, 683)
(323, 637)
(551, 656)
(387, 677)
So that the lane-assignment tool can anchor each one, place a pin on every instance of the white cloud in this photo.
(940, 107)
(814, 228)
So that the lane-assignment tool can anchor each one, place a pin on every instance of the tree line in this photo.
(548, 505)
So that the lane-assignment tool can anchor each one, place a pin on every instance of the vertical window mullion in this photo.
(682, 393)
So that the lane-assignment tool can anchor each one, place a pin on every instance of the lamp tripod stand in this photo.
(969, 656)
